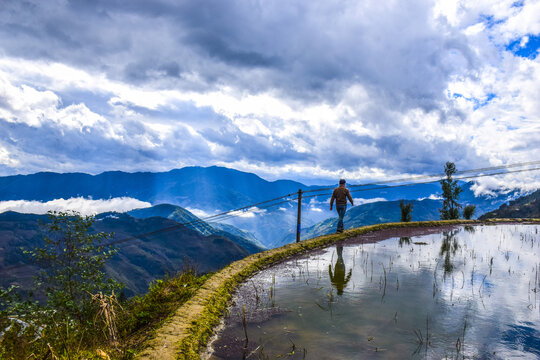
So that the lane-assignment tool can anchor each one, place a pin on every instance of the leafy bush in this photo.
(468, 211)
(71, 262)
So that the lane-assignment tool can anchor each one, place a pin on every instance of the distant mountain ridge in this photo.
(523, 207)
(176, 213)
(216, 189)
(183, 216)
(208, 188)
(140, 260)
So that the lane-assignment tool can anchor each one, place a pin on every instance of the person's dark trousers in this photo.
(341, 213)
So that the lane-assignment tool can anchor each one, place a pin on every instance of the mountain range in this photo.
(150, 253)
(215, 189)
(208, 245)
(524, 207)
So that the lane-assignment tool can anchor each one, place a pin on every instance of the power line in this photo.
(419, 177)
(242, 209)
(430, 182)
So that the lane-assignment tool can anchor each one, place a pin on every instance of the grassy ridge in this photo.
(189, 329)
(201, 326)
(134, 319)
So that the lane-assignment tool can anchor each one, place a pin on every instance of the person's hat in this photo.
(342, 181)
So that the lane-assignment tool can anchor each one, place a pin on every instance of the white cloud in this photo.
(26, 104)
(199, 213)
(79, 204)
(431, 197)
(361, 201)
(525, 182)
(6, 158)
(248, 213)
(524, 22)
(382, 92)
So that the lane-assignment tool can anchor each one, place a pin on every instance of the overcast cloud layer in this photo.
(307, 90)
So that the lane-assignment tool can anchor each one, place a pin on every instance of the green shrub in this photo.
(468, 211)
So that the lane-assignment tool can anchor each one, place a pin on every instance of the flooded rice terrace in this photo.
(467, 292)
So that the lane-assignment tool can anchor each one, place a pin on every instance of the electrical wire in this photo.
(419, 177)
(428, 182)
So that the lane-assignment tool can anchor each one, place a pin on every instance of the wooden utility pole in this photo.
(299, 218)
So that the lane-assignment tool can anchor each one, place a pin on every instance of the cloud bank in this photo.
(311, 91)
(79, 204)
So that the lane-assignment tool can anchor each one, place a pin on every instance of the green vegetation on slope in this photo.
(137, 263)
(75, 313)
(135, 320)
(143, 314)
(524, 207)
(71, 279)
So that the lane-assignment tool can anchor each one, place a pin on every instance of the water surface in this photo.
(469, 292)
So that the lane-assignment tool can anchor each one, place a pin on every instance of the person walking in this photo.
(341, 194)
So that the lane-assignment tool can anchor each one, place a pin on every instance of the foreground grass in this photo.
(143, 314)
(134, 320)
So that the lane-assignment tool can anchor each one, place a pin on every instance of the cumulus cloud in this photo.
(361, 201)
(79, 204)
(312, 91)
(199, 213)
(433, 197)
(249, 213)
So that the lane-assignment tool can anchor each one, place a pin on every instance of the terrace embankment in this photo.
(188, 330)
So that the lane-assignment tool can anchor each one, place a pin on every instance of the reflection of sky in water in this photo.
(470, 292)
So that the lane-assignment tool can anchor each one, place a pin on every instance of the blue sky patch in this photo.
(478, 102)
(528, 50)
(518, 4)
(490, 21)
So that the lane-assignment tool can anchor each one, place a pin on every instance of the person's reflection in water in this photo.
(338, 279)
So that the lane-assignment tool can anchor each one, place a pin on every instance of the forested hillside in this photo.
(524, 207)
